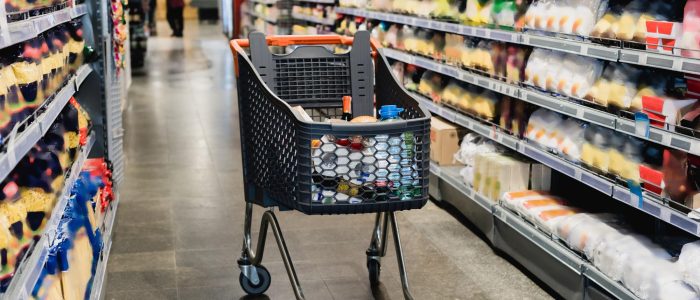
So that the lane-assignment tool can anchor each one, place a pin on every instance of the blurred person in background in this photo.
(175, 18)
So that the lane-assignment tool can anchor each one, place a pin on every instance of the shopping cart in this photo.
(295, 160)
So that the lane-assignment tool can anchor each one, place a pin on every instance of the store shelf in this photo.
(562, 269)
(662, 61)
(584, 48)
(20, 143)
(107, 227)
(20, 31)
(313, 19)
(30, 268)
(663, 137)
(318, 1)
(647, 204)
(266, 18)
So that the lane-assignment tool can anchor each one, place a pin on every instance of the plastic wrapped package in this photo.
(471, 55)
(553, 66)
(424, 42)
(625, 157)
(572, 139)
(411, 78)
(612, 258)
(379, 33)
(690, 41)
(454, 47)
(595, 150)
(536, 207)
(410, 41)
(471, 146)
(535, 71)
(514, 200)
(484, 105)
(617, 87)
(583, 16)
(673, 290)
(550, 219)
(689, 262)
(503, 12)
(446, 9)
(453, 92)
(431, 85)
(437, 43)
(391, 39)
(535, 126)
(655, 279)
(381, 5)
(536, 15)
(585, 71)
(398, 69)
(482, 57)
(479, 11)
(550, 128)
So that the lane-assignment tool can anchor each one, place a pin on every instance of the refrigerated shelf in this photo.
(660, 136)
(646, 203)
(583, 48)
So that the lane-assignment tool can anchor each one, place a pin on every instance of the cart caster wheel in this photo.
(374, 267)
(256, 289)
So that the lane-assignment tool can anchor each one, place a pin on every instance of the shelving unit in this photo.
(266, 18)
(100, 88)
(551, 261)
(560, 105)
(647, 204)
(20, 31)
(584, 48)
(30, 269)
(20, 143)
(313, 19)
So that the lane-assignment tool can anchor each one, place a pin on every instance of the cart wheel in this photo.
(256, 289)
(374, 267)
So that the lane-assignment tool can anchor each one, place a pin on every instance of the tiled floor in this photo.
(179, 225)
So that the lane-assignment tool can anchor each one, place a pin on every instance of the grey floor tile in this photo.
(141, 261)
(144, 280)
(169, 294)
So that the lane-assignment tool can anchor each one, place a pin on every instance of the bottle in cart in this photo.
(347, 108)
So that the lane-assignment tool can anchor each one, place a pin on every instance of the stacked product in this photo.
(28, 6)
(658, 26)
(491, 170)
(73, 253)
(356, 169)
(316, 11)
(35, 70)
(645, 268)
(30, 192)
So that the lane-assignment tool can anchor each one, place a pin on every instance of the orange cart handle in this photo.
(289, 40)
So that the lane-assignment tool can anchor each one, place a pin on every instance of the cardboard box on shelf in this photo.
(444, 141)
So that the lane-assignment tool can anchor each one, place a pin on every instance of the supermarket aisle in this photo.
(179, 225)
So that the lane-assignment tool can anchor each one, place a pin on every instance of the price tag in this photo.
(493, 133)
(636, 197)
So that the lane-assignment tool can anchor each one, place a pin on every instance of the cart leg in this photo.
(399, 256)
(254, 278)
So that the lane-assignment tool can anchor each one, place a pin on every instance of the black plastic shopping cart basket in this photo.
(298, 155)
